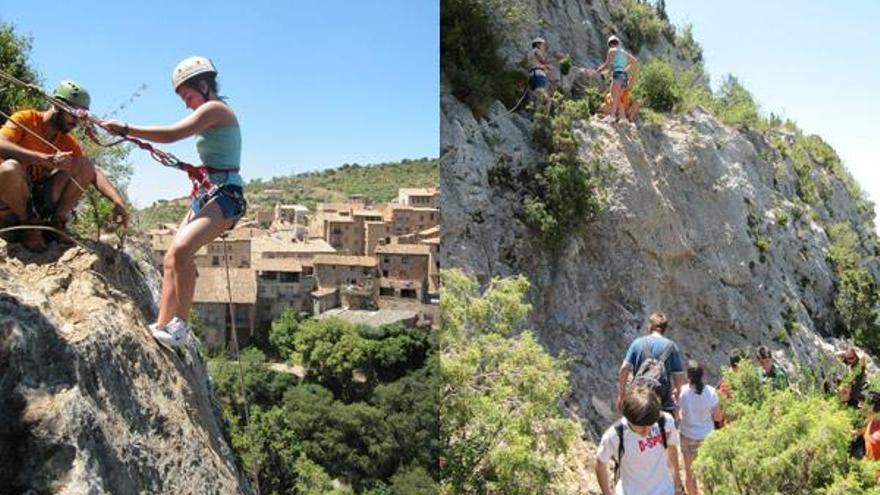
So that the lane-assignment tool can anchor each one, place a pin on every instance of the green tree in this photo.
(15, 51)
(501, 425)
(657, 87)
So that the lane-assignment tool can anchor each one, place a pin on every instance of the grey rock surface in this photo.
(91, 403)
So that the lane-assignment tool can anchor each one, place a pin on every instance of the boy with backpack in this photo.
(656, 362)
(643, 445)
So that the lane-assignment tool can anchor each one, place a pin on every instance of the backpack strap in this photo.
(647, 352)
(666, 353)
(618, 428)
(662, 424)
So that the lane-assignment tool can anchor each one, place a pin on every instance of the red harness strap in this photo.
(198, 175)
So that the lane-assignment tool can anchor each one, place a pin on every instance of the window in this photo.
(385, 273)
(404, 260)
(215, 261)
(386, 259)
(289, 277)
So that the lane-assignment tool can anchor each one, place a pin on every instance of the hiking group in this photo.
(43, 176)
(622, 66)
(667, 407)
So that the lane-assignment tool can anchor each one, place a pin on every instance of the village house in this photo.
(428, 197)
(405, 270)
(409, 220)
(211, 304)
(281, 245)
(347, 280)
(281, 285)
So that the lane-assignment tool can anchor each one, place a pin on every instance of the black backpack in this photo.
(618, 428)
(652, 372)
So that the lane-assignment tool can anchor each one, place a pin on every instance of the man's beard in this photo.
(59, 124)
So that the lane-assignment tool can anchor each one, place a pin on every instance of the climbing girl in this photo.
(213, 211)
(621, 62)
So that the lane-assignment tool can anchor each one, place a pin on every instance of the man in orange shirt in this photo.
(36, 181)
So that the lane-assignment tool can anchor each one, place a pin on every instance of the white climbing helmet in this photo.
(612, 39)
(189, 68)
(538, 40)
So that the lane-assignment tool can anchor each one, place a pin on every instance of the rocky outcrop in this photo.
(690, 205)
(90, 402)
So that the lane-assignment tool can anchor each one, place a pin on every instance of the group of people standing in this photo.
(661, 413)
(43, 176)
(622, 66)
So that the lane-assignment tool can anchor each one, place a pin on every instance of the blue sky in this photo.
(813, 62)
(314, 84)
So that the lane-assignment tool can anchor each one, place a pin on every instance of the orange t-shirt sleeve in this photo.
(11, 130)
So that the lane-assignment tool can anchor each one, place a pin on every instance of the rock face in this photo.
(690, 205)
(91, 403)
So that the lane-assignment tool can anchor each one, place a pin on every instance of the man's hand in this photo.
(62, 160)
(120, 215)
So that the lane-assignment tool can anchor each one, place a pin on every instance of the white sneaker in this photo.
(174, 334)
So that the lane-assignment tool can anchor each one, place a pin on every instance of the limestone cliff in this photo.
(90, 402)
(692, 229)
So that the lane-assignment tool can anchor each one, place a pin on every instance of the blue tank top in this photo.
(620, 60)
(220, 147)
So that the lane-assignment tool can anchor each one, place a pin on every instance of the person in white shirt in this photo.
(699, 409)
(644, 447)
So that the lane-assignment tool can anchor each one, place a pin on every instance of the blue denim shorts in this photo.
(229, 198)
(620, 76)
(537, 81)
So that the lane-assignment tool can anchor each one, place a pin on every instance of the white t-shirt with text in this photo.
(645, 469)
(696, 411)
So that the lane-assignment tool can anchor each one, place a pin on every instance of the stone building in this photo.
(211, 303)
(405, 270)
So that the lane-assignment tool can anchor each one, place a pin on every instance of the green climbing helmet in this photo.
(73, 94)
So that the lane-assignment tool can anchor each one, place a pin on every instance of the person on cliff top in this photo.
(40, 185)
(211, 212)
(700, 410)
(852, 387)
(643, 445)
(647, 352)
(771, 373)
(624, 68)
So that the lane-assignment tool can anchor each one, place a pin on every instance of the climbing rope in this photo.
(198, 175)
(247, 419)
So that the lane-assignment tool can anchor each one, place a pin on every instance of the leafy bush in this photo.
(501, 425)
(856, 298)
(469, 57)
(734, 105)
(685, 41)
(783, 444)
(639, 23)
(657, 87)
(570, 191)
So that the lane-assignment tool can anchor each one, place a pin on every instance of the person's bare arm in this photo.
(672, 459)
(207, 115)
(717, 415)
(602, 476)
(59, 161)
(606, 63)
(622, 379)
(678, 380)
(109, 191)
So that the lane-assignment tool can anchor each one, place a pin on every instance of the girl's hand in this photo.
(116, 127)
